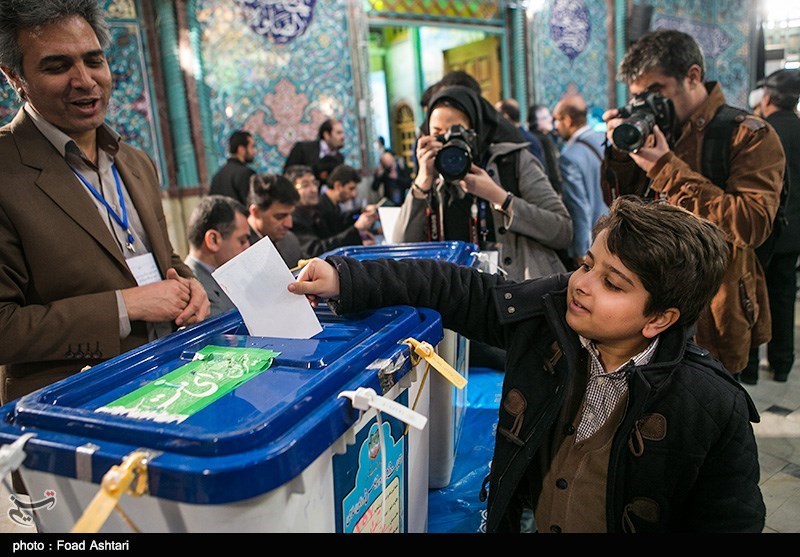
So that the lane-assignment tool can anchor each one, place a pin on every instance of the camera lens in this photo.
(629, 136)
(453, 161)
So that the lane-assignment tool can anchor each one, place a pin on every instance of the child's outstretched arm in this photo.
(317, 280)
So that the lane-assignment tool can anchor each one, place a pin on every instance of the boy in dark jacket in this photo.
(612, 419)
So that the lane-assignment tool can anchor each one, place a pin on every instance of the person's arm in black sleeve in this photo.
(462, 295)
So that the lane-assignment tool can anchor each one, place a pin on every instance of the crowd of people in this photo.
(656, 278)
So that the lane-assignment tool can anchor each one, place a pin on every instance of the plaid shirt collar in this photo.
(596, 368)
(605, 389)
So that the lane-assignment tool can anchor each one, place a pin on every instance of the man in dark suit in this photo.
(87, 270)
(217, 232)
(343, 182)
(271, 202)
(233, 179)
(781, 91)
(329, 142)
(312, 231)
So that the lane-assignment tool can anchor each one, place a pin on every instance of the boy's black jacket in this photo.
(701, 475)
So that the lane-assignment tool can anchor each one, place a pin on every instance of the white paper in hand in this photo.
(256, 281)
(388, 217)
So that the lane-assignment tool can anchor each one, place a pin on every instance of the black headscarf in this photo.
(487, 123)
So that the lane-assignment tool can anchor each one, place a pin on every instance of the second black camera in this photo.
(642, 114)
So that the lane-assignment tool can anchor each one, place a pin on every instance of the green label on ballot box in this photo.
(214, 372)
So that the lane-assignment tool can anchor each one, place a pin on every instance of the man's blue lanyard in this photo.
(122, 221)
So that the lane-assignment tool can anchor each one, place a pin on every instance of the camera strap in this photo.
(591, 147)
(483, 223)
(474, 234)
(432, 216)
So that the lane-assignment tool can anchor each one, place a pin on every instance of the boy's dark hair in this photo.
(344, 175)
(326, 127)
(667, 50)
(679, 257)
(295, 171)
(266, 189)
(239, 138)
(215, 212)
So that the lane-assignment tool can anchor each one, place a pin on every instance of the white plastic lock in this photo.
(366, 398)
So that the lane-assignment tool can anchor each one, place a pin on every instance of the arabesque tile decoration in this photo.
(277, 69)
(570, 43)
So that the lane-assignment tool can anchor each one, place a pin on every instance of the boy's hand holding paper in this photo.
(256, 281)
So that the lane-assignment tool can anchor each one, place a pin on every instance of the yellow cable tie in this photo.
(419, 392)
(300, 264)
(116, 482)
(428, 353)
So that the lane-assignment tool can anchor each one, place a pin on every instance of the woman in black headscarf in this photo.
(511, 209)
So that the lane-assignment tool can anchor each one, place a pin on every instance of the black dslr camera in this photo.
(642, 114)
(455, 158)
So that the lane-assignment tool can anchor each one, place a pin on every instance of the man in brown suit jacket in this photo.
(87, 270)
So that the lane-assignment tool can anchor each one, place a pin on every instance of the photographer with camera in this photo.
(476, 185)
(656, 150)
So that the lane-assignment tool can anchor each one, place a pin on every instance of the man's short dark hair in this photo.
(326, 127)
(239, 138)
(578, 114)
(266, 189)
(782, 100)
(296, 171)
(23, 14)
(669, 51)
(783, 88)
(679, 257)
(323, 168)
(215, 212)
(533, 122)
(510, 108)
(344, 175)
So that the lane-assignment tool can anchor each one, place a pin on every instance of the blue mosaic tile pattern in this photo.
(722, 27)
(130, 110)
(571, 58)
(723, 30)
(279, 92)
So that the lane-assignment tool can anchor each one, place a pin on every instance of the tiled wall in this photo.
(570, 45)
(275, 77)
(279, 73)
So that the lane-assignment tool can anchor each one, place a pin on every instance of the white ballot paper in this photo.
(256, 281)
(388, 217)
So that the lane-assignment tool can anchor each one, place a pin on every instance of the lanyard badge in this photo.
(121, 220)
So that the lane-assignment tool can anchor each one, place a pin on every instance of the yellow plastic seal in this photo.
(128, 477)
(425, 351)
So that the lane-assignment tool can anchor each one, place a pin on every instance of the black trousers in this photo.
(781, 274)
(782, 287)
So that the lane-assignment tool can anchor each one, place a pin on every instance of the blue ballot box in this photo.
(239, 433)
(448, 404)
